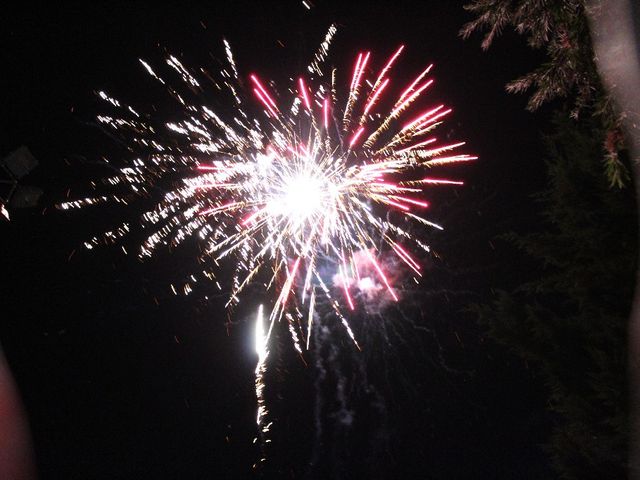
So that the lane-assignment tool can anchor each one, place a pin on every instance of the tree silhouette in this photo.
(569, 317)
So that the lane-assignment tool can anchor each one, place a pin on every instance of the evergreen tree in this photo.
(561, 28)
(569, 318)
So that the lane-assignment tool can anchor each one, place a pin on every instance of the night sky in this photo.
(121, 379)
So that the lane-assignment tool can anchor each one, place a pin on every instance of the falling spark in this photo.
(4, 211)
(262, 350)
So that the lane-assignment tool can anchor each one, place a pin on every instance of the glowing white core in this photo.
(303, 197)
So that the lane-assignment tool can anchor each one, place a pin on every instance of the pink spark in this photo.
(264, 101)
(420, 203)
(388, 65)
(406, 257)
(444, 148)
(355, 71)
(345, 285)
(382, 275)
(362, 67)
(293, 271)
(208, 211)
(441, 180)
(263, 94)
(357, 74)
(289, 282)
(417, 145)
(421, 127)
(452, 159)
(422, 117)
(396, 204)
(375, 96)
(325, 111)
(355, 137)
(293, 150)
(252, 217)
(415, 82)
(304, 93)
(410, 98)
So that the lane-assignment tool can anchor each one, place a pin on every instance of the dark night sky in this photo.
(117, 386)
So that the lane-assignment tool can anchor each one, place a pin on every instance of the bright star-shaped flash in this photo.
(303, 197)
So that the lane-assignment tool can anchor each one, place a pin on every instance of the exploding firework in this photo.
(304, 195)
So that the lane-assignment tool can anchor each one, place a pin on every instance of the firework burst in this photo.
(289, 190)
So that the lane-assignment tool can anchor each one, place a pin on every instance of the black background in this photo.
(122, 379)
